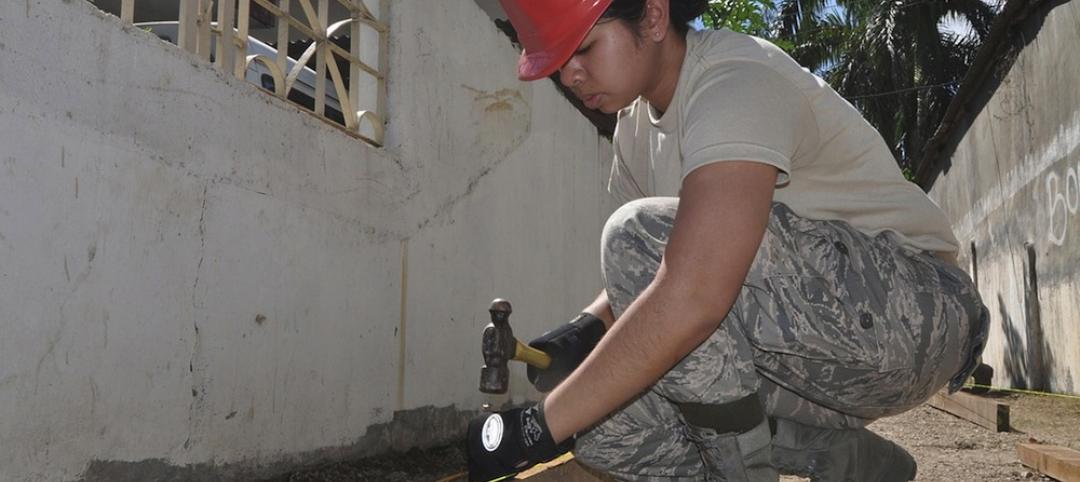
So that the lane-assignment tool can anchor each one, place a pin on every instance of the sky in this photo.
(958, 26)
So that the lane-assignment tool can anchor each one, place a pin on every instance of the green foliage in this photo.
(909, 174)
(889, 58)
(747, 16)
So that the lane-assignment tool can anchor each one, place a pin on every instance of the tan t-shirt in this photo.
(742, 98)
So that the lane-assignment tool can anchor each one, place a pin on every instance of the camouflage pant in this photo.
(832, 329)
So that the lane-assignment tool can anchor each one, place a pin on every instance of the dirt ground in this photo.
(946, 448)
(951, 449)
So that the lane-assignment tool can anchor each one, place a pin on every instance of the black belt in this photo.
(738, 416)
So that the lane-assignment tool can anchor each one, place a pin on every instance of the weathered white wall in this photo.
(198, 280)
(518, 208)
(1013, 193)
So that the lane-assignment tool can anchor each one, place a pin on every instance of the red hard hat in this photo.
(550, 31)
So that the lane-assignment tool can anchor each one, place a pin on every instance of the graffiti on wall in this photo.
(1063, 200)
(1038, 165)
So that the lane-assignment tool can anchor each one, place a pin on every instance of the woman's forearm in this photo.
(601, 308)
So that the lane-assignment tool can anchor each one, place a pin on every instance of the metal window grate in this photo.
(346, 43)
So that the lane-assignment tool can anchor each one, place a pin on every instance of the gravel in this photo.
(947, 448)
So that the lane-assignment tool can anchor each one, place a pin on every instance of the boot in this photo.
(830, 455)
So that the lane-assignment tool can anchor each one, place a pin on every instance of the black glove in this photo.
(505, 443)
(567, 345)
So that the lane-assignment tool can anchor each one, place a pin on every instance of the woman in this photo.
(796, 289)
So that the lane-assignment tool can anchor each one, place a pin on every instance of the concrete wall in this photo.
(199, 280)
(492, 7)
(1013, 194)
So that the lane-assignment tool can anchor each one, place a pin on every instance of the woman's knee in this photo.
(633, 244)
(643, 223)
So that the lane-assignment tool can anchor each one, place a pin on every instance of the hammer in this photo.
(499, 346)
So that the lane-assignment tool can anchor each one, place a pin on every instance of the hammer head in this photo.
(497, 345)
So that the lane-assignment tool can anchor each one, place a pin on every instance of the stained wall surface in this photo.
(198, 280)
(1013, 193)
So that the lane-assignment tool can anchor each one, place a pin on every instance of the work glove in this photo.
(567, 345)
(502, 444)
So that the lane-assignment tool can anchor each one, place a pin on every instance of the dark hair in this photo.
(682, 12)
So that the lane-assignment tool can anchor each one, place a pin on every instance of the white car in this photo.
(303, 89)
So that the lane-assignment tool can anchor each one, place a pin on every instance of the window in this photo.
(337, 72)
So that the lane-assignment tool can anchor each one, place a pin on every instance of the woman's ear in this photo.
(654, 26)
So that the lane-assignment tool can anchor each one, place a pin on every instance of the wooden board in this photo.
(561, 469)
(986, 412)
(1061, 463)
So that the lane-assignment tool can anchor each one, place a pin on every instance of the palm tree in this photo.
(889, 58)
(747, 16)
